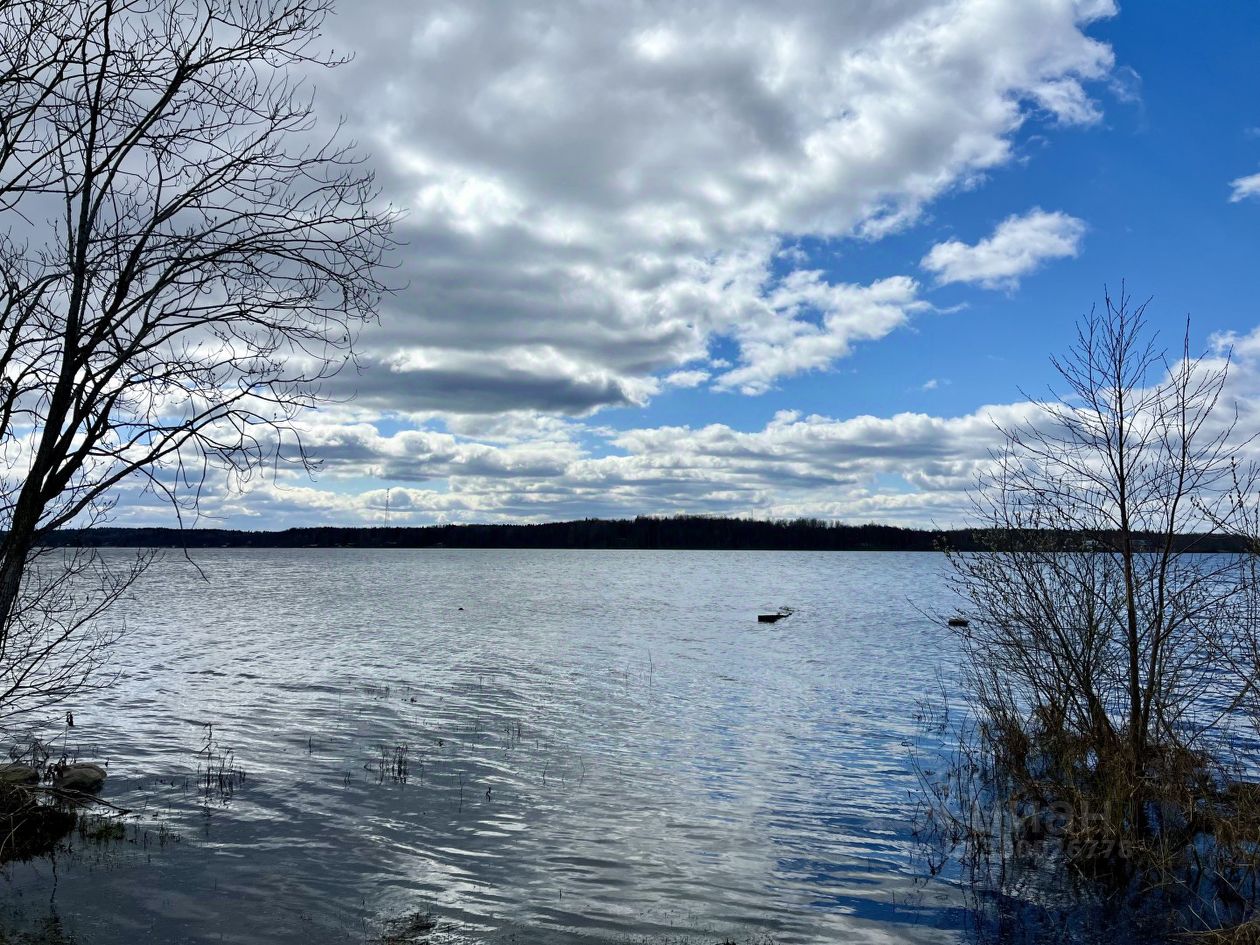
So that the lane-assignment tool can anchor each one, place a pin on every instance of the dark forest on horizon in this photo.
(684, 533)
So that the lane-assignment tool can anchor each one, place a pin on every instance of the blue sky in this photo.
(1150, 180)
(769, 260)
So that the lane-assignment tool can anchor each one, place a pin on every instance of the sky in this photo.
(760, 259)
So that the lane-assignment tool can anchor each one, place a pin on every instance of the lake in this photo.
(452, 746)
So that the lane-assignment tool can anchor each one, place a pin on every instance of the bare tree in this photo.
(182, 260)
(1092, 656)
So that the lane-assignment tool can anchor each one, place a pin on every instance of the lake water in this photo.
(456, 746)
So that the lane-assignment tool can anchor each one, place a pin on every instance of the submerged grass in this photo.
(1030, 811)
(217, 771)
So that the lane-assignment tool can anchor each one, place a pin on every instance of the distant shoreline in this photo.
(681, 533)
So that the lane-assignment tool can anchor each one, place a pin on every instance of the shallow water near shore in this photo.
(480, 746)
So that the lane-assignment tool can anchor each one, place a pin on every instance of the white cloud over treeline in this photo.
(607, 201)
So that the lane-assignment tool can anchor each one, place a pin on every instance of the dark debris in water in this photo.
(415, 928)
(49, 931)
(28, 827)
(424, 928)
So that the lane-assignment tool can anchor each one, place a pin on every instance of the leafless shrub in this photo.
(1100, 707)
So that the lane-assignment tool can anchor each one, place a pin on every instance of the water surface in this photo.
(530, 746)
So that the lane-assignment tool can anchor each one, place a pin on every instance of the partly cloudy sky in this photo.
(761, 259)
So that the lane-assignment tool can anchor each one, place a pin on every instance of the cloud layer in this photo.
(910, 468)
(599, 194)
(608, 201)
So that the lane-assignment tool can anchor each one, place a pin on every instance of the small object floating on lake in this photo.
(959, 622)
(775, 617)
(83, 776)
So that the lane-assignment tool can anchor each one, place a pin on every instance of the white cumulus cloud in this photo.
(599, 194)
(1018, 246)
(1243, 188)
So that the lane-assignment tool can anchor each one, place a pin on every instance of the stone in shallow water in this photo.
(18, 774)
(80, 777)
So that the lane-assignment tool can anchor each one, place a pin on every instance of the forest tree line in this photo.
(682, 532)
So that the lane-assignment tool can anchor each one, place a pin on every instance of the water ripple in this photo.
(601, 747)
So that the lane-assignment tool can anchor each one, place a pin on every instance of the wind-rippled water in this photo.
(529, 746)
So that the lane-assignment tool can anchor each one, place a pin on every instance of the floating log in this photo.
(959, 622)
(770, 618)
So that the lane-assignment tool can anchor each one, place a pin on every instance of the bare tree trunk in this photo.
(1137, 729)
